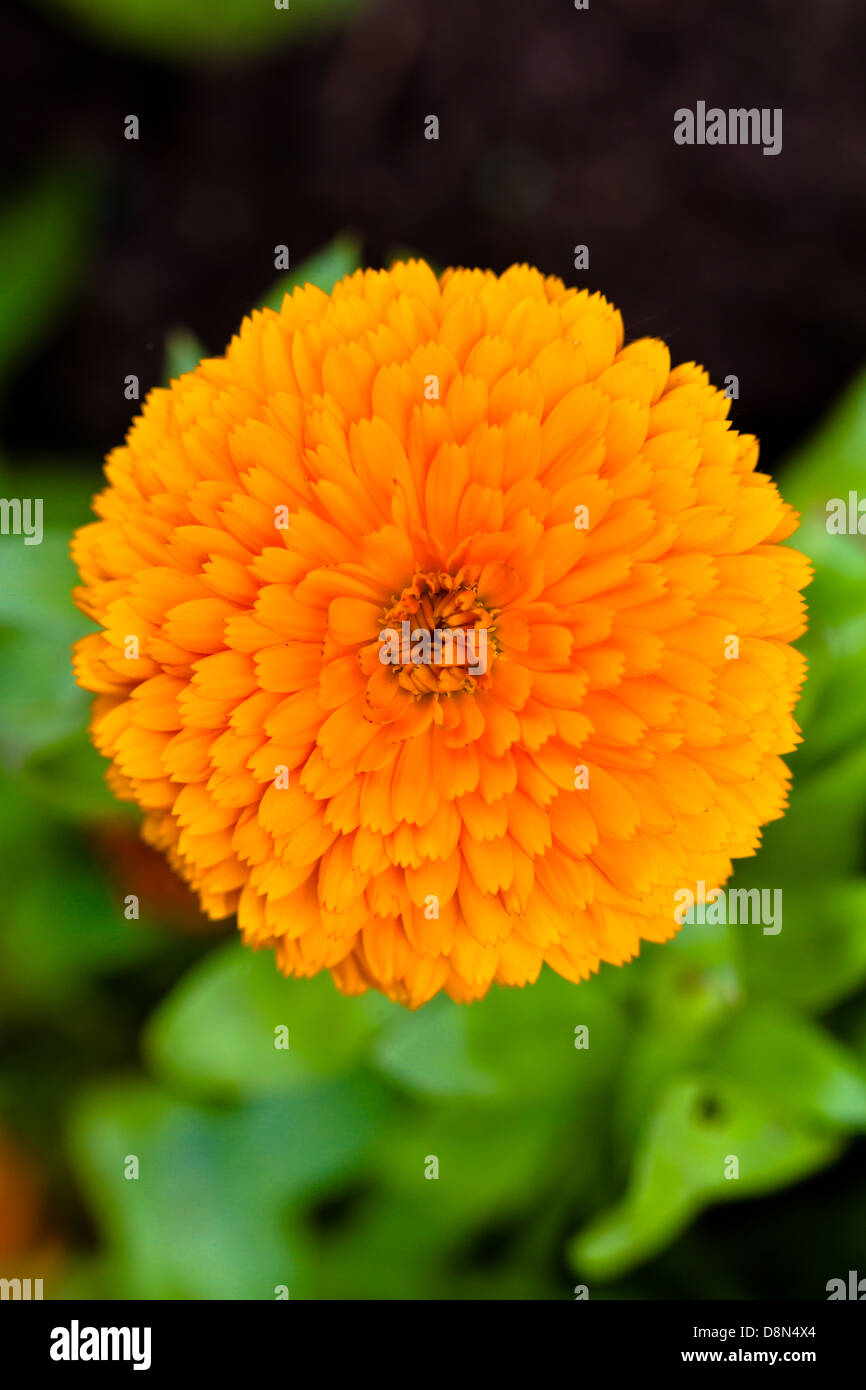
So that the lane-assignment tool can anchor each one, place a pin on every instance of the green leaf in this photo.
(692, 981)
(203, 1219)
(65, 485)
(829, 466)
(833, 461)
(40, 703)
(832, 797)
(831, 712)
(43, 234)
(526, 1040)
(819, 957)
(426, 1052)
(492, 1161)
(681, 991)
(215, 1034)
(699, 1126)
(183, 352)
(342, 257)
(68, 779)
(39, 700)
(204, 27)
(35, 585)
(63, 925)
(794, 1066)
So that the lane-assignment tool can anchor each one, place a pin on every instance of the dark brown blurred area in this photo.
(556, 129)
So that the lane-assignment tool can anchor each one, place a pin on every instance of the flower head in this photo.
(440, 635)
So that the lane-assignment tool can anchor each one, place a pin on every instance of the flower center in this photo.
(438, 635)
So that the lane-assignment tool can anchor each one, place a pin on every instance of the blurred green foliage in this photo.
(44, 231)
(260, 1166)
(166, 29)
(329, 265)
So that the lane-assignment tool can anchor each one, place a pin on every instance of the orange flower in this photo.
(441, 634)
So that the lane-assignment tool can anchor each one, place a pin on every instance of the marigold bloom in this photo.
(470, 452)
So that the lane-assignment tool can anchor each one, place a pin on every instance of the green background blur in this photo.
(559, 1166)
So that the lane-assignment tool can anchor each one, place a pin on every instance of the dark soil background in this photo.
(556, 129)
